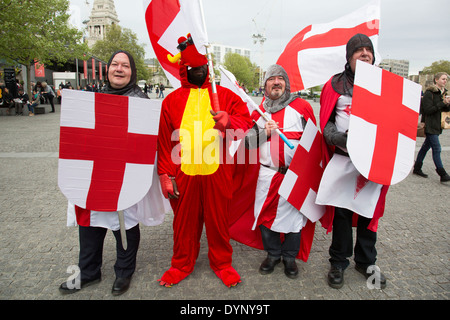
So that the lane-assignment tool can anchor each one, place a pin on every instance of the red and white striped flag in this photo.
(168, 20)
(302, 180)
(318, 51)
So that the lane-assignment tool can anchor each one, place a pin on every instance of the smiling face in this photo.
(364, 54)
(275, 87)
(119, 72)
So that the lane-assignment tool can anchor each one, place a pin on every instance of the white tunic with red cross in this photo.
(271, 210)
(342, 185)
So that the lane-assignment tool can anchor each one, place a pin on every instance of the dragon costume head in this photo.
(188, 55)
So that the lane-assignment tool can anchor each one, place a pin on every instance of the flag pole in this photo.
(215, 98)
(123, 231)
(282, 136)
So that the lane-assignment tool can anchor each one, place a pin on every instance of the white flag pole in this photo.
(215, 98)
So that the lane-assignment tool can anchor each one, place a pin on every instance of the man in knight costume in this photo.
(274, 215)
(336, 101)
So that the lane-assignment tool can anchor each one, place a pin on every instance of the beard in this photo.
(276, 94)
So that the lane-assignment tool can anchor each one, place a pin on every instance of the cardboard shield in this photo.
(383, 124)
(301, 182)
(107, 149)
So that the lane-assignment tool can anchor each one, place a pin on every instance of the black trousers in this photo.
(91, 252)
(342, 240)
(288, 249)
(50, 99)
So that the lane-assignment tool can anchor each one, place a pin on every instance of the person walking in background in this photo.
(161, 91)
(435, 100)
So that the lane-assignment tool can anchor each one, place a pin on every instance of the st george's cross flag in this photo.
(107, 149)
(301, 182)
(318, 51)
(168, 20)
(383, 124)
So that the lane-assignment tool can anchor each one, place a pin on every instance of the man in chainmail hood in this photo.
(273, 214)
(274, 105)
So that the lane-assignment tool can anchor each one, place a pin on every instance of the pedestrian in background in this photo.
(435, 100)
(49, 94)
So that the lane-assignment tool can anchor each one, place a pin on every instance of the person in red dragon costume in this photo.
(195, 168)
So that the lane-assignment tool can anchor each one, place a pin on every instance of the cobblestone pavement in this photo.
(37, 248)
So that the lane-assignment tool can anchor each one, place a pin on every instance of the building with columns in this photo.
(103, 14)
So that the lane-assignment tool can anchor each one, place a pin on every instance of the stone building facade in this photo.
(103, 14)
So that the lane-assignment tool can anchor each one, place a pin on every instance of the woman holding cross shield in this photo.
(93, 225)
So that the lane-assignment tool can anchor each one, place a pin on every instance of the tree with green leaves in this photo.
(243, 69)
(38, 30)
(118, 38)
(437, 66)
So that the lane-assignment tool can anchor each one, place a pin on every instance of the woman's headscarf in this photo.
(131, 86)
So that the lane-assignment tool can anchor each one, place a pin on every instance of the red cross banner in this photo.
(107, 149)
(318, 51)
(383, 124)
(301, 182)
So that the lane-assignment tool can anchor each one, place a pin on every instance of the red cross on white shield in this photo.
(383, 124)
(107, 149)
(301, 182)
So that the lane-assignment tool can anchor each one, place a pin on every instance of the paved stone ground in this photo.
(37, 248)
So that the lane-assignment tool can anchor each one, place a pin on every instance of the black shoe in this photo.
(419, 172)
(444, 176)
(363, 271)
(120, 286)
(84, 283)
(336, 277)
(268, 265)
(290, 268)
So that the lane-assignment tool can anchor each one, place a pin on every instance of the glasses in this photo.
(182, 46)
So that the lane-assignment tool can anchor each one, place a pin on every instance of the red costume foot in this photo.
(172, 276)
(229, 276)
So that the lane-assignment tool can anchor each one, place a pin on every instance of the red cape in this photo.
(328, 99)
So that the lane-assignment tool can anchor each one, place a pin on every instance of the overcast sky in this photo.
(414, 30)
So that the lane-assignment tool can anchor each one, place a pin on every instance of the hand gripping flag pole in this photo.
(282, 136)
